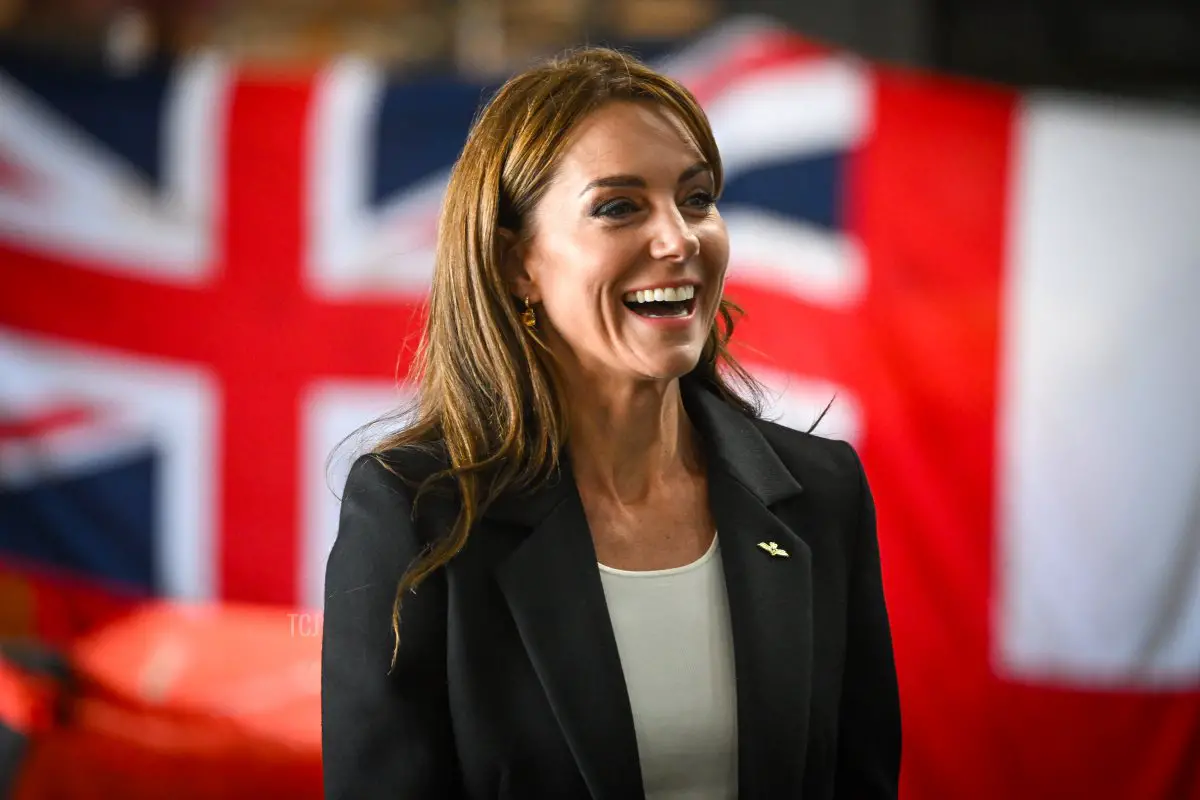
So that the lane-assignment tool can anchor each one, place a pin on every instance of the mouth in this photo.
(676, 302)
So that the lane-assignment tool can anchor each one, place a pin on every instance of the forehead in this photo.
(628, 138)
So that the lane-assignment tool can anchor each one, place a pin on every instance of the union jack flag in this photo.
(209, 276)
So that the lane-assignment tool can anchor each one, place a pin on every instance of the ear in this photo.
(513, 255)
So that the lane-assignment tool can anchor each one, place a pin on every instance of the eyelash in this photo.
(609, 209)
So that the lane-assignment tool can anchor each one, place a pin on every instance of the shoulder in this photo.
(399, 467)
(831, 457)
(816, 462)
(384, 485)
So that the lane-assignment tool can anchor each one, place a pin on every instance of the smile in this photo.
(668, 302)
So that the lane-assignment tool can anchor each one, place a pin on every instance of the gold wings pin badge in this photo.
(773, 549)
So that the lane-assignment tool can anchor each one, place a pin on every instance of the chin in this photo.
(673, 365)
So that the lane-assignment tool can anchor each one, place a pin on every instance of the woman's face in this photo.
(627, 253)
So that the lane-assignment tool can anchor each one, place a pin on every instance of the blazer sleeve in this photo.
(868, 763)
(382, 735)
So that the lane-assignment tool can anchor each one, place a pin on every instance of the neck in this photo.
(627, 439)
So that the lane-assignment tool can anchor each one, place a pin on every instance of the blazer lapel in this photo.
(553, 589)
(770, 599)
(770, 608)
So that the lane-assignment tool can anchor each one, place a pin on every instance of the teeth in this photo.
(674, 294)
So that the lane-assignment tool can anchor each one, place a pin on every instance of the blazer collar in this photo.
(556, 597)
(732, 439)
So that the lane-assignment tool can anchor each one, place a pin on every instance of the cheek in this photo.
(714, 247)
(578, 290)
(585, 275)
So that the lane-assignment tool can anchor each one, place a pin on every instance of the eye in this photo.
(615, 208)
(700, 200)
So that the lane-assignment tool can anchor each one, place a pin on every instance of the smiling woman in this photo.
(631, 209)
(618, 581)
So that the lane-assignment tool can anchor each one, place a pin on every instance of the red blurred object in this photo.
(27, 700)
(187, 702)
(55, 608)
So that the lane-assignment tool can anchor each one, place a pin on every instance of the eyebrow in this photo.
(626, 181)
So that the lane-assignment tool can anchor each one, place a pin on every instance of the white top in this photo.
(676, 645)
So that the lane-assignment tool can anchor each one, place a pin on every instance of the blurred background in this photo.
(975, 225)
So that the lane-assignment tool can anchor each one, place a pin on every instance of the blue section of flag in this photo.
(98, 524)
(410, 136)
(126, 114)
(809, 189)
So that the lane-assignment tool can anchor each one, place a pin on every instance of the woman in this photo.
(617, 581)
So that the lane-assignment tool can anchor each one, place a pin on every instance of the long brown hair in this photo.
(486, 390)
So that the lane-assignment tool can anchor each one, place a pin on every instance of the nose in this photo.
(672, 237)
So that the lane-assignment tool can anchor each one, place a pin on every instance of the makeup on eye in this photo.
(622, 205)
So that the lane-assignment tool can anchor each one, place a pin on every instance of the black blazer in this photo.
(508, 682)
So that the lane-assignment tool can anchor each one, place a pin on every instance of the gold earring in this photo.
(528, 317)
